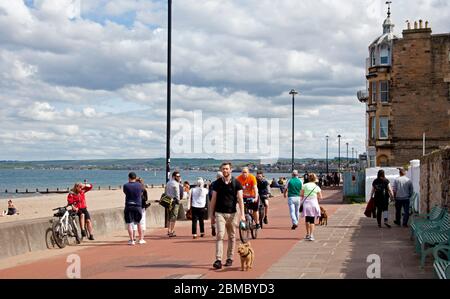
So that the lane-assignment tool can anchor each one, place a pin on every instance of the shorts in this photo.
(173, 212)
(263, 199)
(132, 215)
(254, 206)
(86, 214)
(142, 222)
(310, 220)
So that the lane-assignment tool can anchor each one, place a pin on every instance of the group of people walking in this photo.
(228, 197)
(382, 192)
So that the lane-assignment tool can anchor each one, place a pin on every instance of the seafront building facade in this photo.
(408, 94)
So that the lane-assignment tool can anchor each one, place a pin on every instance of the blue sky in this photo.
(93, 85)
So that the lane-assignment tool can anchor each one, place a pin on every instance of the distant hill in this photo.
(120, 164)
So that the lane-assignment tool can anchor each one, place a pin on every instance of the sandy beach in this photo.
(41, 206)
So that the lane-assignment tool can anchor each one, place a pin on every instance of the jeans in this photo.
(294, 206)
(399, 204)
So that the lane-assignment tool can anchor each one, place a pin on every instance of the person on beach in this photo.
(310, 196)
(292, 193)
(381, 191)
(250, 191)
(264, 193)
(403, 190)
(11, 209)
(197, 199)
(145, 205)
(77, 199)
(175, 190)
(226, 196)
(133, 208)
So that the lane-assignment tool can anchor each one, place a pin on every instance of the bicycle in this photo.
(248, 228)
(64, 227)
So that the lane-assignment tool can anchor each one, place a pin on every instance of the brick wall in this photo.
(420, 94)
(435, 180)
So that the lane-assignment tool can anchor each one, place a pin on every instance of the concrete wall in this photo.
(435, 180)
(29, 235)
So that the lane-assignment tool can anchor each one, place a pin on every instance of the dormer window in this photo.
(384, 55)
(373, 57)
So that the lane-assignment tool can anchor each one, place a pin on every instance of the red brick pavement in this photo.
(162, 257)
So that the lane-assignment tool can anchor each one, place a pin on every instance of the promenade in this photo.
(340, 251)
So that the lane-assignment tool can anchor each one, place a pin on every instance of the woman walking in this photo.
(292, 192)
(198, 204)
(381, 191)
(310, 196)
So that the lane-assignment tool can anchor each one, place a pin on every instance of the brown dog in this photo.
(323, 220)
(247, 256)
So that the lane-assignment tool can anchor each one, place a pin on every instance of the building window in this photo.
(372, 57)
(373, 127)
(384, 59)
(384, 91)
(384, 128)
(374, 92)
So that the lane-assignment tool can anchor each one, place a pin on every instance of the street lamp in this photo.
(327, 153)
(347, 155)
(339, 153)
(293, 92)
(169, 82)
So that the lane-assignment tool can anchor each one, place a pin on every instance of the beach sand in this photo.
(41, 206)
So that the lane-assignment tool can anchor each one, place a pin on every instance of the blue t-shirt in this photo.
(133, 194)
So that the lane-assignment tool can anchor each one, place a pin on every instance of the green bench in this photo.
(426, 221)
(442, 265)
(428, 238)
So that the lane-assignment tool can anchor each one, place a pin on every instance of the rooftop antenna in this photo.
(389, 8)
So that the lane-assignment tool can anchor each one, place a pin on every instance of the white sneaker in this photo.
(131, 243)
(311, 238)
(142, 241)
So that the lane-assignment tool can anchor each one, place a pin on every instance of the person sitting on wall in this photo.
(11, 209)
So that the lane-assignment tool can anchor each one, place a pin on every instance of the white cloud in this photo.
(99, 80)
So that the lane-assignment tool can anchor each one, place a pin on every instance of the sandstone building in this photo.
(408, 94)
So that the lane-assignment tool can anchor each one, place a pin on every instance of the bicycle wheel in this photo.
(261, 216)
(59, 235)
(49, 240)
(244, 234)
(254, 230)
(74, 231)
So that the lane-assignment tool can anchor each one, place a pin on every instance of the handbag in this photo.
(166, 201)
(189, 214)
(301, 205)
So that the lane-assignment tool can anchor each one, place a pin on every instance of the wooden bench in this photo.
(426, 221)
(442, 265)
(427, 239)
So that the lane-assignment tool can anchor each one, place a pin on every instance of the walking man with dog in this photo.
(227, 194)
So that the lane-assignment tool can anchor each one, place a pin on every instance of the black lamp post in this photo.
(169, 82)
(347, 155)
(327, 153)
(293, 92)
(339, 153)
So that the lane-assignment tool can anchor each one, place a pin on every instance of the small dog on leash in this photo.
(247, 256)
(323, 220)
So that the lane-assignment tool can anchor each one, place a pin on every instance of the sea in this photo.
(53, 179)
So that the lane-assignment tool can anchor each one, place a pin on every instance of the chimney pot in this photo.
(426, 24)
(415, 24)
(420, 24)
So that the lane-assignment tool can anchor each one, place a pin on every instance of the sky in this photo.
(86, 79)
